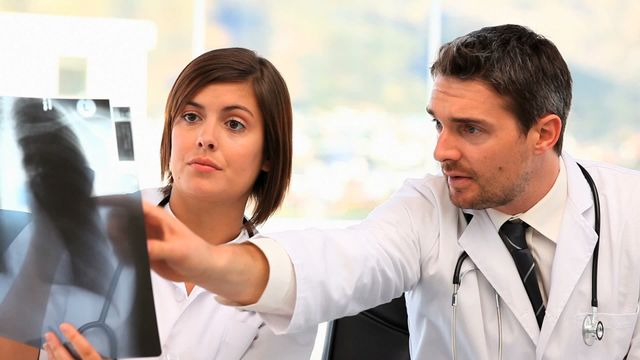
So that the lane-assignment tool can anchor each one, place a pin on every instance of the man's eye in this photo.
(471, 129)
(235, 125)
(438, 125)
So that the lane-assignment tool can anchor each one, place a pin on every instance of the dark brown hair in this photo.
(241, 65)
(522, 66)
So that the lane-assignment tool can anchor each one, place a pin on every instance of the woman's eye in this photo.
(235, 125)
(190, 117)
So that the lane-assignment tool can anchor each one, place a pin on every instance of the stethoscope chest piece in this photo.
(592, 330)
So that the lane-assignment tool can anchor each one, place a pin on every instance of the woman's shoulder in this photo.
(153, 195)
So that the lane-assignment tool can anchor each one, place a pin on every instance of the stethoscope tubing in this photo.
(457, 276)
(596, 209)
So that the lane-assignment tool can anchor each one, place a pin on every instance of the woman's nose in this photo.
(206, 139)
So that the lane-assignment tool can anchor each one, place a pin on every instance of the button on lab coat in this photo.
(411, 243)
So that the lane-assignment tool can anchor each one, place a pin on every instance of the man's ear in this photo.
(547, 129)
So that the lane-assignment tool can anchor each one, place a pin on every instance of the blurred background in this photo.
(357, 71)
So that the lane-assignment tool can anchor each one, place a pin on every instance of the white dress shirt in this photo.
(195, 326)
(544, 220)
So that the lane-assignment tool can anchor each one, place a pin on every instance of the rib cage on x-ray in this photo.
(61, 187)
(71, 256)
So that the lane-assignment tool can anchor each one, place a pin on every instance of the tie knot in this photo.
(512, 233)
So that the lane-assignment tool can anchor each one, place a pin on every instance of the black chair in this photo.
(380, 333)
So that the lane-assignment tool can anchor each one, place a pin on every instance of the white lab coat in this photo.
(197, 327)
(411, 244)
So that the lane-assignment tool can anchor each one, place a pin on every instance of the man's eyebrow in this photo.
(466, 120)
(460, 119)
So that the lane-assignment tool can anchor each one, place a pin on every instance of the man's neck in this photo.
(543, 176)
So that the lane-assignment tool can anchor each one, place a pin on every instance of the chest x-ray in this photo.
(72, 239)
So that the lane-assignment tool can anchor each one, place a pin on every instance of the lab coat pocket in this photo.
(236, 340)
(618, 330)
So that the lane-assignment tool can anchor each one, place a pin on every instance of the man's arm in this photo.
(237, 272)
(335, 272)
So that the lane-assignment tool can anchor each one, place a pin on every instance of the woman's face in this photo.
(217, 144)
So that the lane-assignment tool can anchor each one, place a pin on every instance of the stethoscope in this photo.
(592, 328)
(101, 323)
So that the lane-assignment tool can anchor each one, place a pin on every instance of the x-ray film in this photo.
(72, 238)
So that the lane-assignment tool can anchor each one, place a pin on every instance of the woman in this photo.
(226, 140)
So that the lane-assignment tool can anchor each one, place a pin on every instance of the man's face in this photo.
(487, 160)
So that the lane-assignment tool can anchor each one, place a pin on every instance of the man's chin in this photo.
(459, 202)
(466, 203)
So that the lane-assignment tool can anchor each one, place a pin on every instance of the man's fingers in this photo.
(153, 214)
(158, 250)
(154, 218)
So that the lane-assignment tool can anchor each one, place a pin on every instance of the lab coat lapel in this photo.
(574, 249)
(485, 248)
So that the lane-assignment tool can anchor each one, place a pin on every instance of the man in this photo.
(520, 208)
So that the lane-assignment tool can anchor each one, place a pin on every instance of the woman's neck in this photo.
(216, 222)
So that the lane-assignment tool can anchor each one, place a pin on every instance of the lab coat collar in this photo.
(485, 248)
(576, 241)
(574, 250)
(546, 215)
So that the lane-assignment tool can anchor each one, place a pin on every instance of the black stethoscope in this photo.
(101, 323)
(592, 328)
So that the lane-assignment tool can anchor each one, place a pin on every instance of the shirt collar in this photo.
(546, 215)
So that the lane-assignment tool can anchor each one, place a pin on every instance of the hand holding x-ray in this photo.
(72, 241)
(175, 252)
(56, 350)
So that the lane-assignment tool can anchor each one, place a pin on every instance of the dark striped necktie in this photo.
(513, 235)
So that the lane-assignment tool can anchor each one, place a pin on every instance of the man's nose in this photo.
(446, 148)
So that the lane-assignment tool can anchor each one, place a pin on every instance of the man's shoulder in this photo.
(609, 171)
(431, 189)
(616, 184)
(435, 184)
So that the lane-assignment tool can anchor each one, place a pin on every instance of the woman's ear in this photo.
(266, 166)
(548, 129)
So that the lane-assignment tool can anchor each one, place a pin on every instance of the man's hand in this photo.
(175, 252)
(237, 272)
(57, 351)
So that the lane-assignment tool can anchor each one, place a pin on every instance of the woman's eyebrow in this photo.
(237, 107)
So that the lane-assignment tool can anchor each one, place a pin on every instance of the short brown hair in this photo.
(524, 67)
(241, 65)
